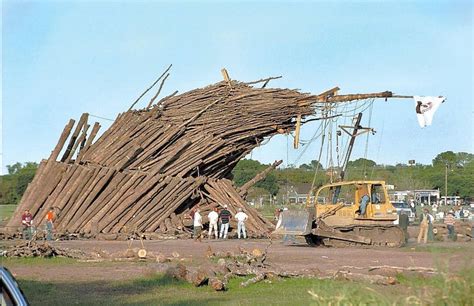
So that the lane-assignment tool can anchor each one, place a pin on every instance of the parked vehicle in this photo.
(403, 207)
(11, 292)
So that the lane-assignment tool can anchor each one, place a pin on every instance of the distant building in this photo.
(295, 193)
(451, 200)
(425, 196)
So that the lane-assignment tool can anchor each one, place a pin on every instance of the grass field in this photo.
(158, 289)
(6, 211)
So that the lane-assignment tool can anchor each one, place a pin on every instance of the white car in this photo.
(403, 207)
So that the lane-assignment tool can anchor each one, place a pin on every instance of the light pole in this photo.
(411, 164)
(446, 185)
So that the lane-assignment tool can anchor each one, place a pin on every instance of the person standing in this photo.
(213, 217)
(197, 225)
(430, 227)
(27, 222)
(49, 224)
(450, 221)
(412, 207)
(403, 223)
(424, 220)
(241, 218)
(224, 216)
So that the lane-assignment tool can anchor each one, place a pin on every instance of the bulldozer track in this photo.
(379, 235)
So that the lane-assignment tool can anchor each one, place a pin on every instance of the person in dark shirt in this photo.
(224, 217)
(403, 223)
(27, 222)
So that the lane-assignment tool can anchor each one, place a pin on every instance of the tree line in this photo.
(13, 184)
(459, 168)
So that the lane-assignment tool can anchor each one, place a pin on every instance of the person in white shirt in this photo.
(213, 217)
(241, 218)
(197, 225)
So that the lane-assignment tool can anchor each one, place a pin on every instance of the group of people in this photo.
(426, 226)
(29, 228)
(217, 217)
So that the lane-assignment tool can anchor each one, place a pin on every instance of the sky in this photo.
(63, 58)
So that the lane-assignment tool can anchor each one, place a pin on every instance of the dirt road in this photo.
(292, 258)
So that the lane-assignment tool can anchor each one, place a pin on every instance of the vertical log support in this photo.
(90, 139)
(74, 136)
(296, 141)
(62, 139)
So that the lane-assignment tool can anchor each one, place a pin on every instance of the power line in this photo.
(99, 117)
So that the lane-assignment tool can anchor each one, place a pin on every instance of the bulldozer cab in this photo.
(347, 202)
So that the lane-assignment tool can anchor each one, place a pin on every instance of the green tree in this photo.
(463, 159)
(313, 165)
(247, 169)
(14, 184)
(361, 162)
(445, 158)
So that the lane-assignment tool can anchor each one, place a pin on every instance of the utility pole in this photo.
(446, 185)
(411, 164)
(357, 130)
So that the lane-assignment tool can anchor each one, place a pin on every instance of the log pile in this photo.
(153, 165)
(38, 249)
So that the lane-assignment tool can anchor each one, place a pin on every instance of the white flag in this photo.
(426, 107)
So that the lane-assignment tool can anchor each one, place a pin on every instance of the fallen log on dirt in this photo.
(373, 279)
(36, 249)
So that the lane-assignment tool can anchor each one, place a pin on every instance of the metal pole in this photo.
(351, 145)
(446, 185)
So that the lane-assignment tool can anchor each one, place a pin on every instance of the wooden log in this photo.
(134, 179)
(157, 213)
(81, 203)
(150, 186)
(51, 180)
(72, 140)
(177, 201)
(62, 140)
(98, 188)
(89, 217)
(90, 139)
(78, 142)
(68, 207)
(244, 188)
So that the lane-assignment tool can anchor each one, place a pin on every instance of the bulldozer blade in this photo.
(297, 222)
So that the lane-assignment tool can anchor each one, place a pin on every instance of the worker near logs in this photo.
(430, 227)
(27, 222)
(224, 217)
(213, 217)
(49, 224)
(197, 225)
(424, 220)
(449, 221)
(241, 218)
(403, 223)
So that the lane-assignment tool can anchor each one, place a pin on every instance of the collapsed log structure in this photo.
(153, 165)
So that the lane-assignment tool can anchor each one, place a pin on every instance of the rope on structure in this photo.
(367, 139)
(319, 163)
(99, 117)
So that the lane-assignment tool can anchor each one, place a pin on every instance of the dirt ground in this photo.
(297, 257)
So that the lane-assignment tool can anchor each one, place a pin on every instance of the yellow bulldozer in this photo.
(346, 213)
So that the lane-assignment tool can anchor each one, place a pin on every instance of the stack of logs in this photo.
(153, 165)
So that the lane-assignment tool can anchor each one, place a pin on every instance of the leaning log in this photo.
(245, 187)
